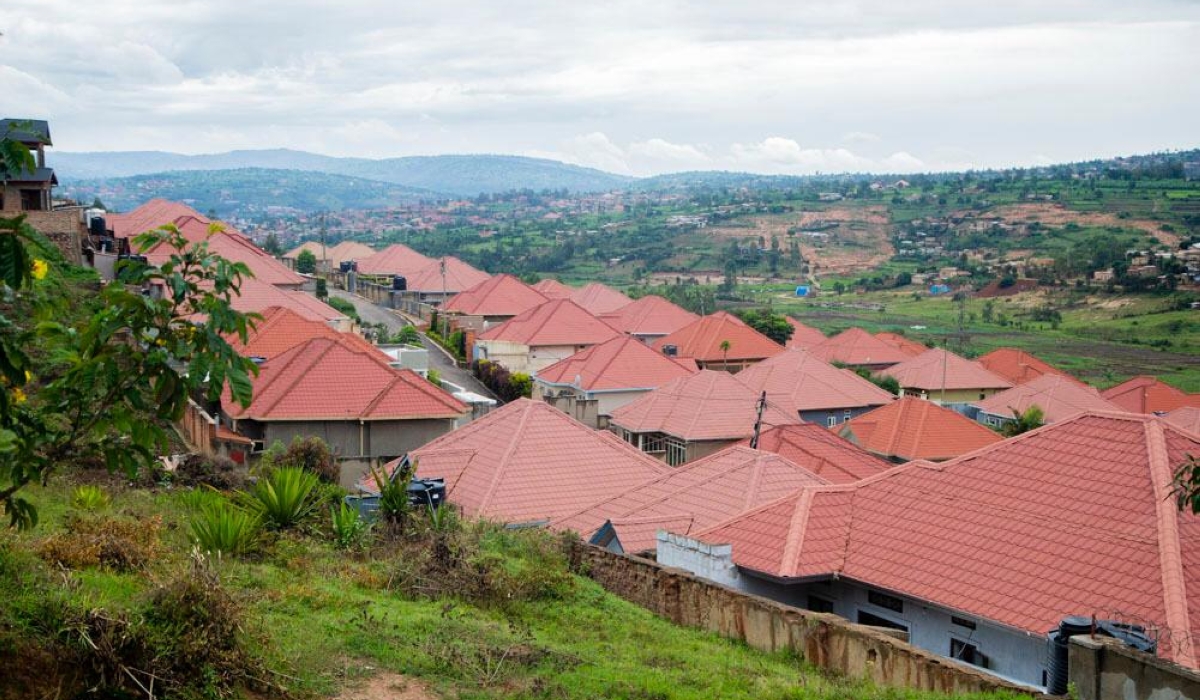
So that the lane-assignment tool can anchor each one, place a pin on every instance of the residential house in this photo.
(649, 318)
(910, 347)
(329, 258)
(441, 279)
(1104, 275)
(553, 289)
(29, 189)
(347, 395)
(256, 296)
(1185, 418)
(693, 417)
(599, 298)
(528, 463)
(719, 341)
(688, 499)
(855, 347)
(396, 259)
(803, 337)
(815, 390)
(491, 302)
(911, 428)
(1148, 395)
(978, 558)
(1058, 397)
(1018, 366)
(945, 378)
(821, 451)
(281, 328)
(594, 382)
(541, 336)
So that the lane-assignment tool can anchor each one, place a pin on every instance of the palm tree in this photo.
(1033, 417)
(725, 345)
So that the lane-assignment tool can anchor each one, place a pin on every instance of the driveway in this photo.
(438, 360)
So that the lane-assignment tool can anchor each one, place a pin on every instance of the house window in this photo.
(831, 421)
(819, 604)
(676, 451)
(846, 415)
(654, 443)
(883, 600)
(866, 618)
(967, 653)
(982, 396)
(962, 622)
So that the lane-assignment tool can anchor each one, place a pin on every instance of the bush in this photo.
(89, 498)
(221, 527)
(284, 497)
(506, 385)
(111, 543)
(217, 472)
(349, 528)
(313, 454)
(345, 307)
(407, 335)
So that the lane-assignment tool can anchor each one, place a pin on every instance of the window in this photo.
(967, 653)
(819, 604)
(866, 618)
(884, 600)
(962, 622)
(846, 415)
(676, 451)
(831, 421)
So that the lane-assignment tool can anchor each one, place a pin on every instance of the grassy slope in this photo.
(331, 619)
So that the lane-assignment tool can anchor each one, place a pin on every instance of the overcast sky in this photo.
(636, 87)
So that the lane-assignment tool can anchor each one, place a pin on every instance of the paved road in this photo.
(371, 313)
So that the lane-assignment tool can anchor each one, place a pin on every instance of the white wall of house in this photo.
(1012, 654)
(517, 357)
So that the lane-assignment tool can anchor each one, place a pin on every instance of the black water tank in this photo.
(346, 266)
(670, 350)
(1056, 671)
(400, 283)
(426, 492)
(97, 227)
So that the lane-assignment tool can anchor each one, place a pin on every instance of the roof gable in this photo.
(599, 298)
(909, 347)
(856, 347)
(396, 259)
(457, 276)
(1145, 394)
(649, 315)
(803, 336)
(1059, 397)
(799, 380)
(499, 295)
(912, 428)
(938, 368)
(1017, 366)
(256, 296)
(1186, 418)
(282, 329)
(616, 364)
(702, 339)
(821, 451)
(553, 289)
(557, 322)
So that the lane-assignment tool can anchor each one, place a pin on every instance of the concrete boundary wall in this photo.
(1106, 669)
(823, 640)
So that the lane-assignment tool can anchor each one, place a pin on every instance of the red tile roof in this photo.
(1059, 398)
(911, 428)
(701, 339)
(857, 347)
(238, 248)
(599, 298)
(1072, 518)
(617, 364)
(694, 496)
(282, 329)
(1017, 366)
(148, 216)
(909, 347)
(797, 380)
(329, 379)
(396, 259)
(459, 276)
(528, 461)
(557, 322)
(649, 315)
(803, 337)
(499, 295)
(939, 368)
(821, 452)
(257, 296)
(342, 252)
(553, 289)
(1149, 395)
(708, 405)
(1185, 418)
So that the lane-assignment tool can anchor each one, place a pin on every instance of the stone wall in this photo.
(63, 228)
(823, 640)
(1105, 669)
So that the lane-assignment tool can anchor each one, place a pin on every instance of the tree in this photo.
(306, 262)
(725, 346)
(1033, 417)
(322, 289)
(772, 325)
(1187, 484)
(272, 245)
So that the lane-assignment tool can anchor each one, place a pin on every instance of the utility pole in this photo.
(762, 403)
(324, 246)
(445, 318)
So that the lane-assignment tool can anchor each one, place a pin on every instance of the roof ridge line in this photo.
(503, 462)
(294, 358)
(1175, 602)
(797, 525)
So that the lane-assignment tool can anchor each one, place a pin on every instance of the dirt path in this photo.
(388, 686)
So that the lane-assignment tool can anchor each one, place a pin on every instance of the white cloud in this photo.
(861, 137)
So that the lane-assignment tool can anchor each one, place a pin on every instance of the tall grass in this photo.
(225, 528)
(284, 497)
(90, 498)
(349, 528)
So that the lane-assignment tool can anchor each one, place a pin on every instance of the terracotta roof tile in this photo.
(499, 295)
(912, 428)
(528, 462)
(701, 339)
(857, 347)
(991, 533)
(396, 259)
(1017, 366)
(707, 405)
(256, 296)
(282, 329)
(553, 289)
(798, 380)
(620, 363)
(706, 492)
(557, 322)
(821, 452)
(459, 276)
(148, 216)
(803, 337)
(910, 347)
(649, 315)
(342, 252)
(331, 379)
(939, 368)
(1149, 395)
(599, 298)
(1059, 397)
(1185, 418)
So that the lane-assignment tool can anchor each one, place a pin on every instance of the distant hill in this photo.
(245, 191)
(462, 175)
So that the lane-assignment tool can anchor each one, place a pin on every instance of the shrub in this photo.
(407, 335)
(224, 528)
(197, 499)
(110, 543)
(435, 377)
(284, 497)
(217, 472)
(89, 498)
(349, 528)
(313, 454)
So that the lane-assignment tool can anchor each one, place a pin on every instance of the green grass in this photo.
(325, 618)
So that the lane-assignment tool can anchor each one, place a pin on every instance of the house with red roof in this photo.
(594, 382)
(695, 416)
(528, 463)
(256, 296)
(649, 318)
(945, 378)
(908, 346)
(347, 395)
(553, 289)
(599, 298)
(855, 347)
(912, 428)
(1149, 395)
(688, 499)
(1017, 366)
(979, 557)
(719, 341)
(280, 329)
(441, 279)
(396, 259)
(541, 336)
(491, 302)
(1057, 396)
(803, 337)
(815, 390)
(331, 257)
(821, 451)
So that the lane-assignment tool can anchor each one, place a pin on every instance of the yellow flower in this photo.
(40, 268)
(18, 396)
